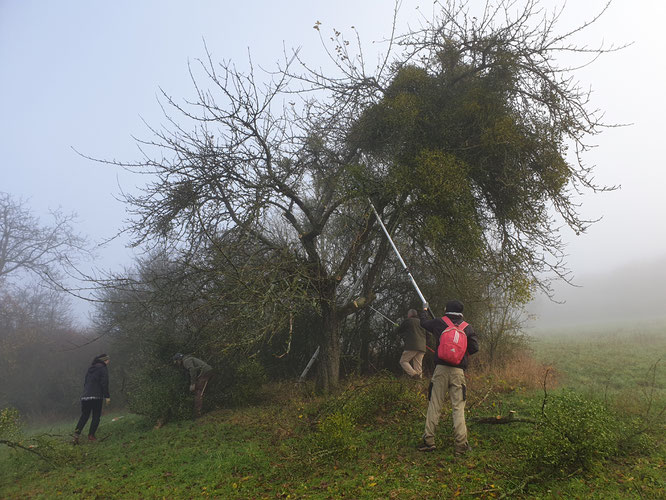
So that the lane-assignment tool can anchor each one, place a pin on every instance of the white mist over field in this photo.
(633, 293)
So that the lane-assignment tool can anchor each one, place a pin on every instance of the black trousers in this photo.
(88, 406)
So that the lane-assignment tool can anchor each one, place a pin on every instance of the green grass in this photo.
(280, 449)
(618, 362)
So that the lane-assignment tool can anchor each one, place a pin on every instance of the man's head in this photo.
(412, 313)
(177, 358)
(454, 307)
(102, 358)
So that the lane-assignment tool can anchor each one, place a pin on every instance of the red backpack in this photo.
(452, 342)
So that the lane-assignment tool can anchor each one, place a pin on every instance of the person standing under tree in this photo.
(414, 338)
(200, 373)
(95, 390)
(449, 376)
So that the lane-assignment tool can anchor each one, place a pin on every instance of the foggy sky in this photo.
(630, 294)
(84, 74)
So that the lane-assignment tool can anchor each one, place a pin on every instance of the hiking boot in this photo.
(425, 446)
(75, 438)
(92, 438)
(459, 452)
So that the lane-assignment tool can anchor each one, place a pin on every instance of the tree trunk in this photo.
(328, 368)
(365, 345)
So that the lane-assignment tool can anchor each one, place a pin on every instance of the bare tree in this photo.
(28, 246)
(462, 128)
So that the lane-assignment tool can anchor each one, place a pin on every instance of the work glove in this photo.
(425, 306)
(108, 401)
(191, 387)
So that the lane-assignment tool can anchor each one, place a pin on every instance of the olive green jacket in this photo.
(196, 367)
(412, 334)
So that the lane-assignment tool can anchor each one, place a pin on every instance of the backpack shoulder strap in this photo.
(448, 322)
(463, 325)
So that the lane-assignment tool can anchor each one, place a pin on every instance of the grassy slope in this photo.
(274, 450)
(618, 361)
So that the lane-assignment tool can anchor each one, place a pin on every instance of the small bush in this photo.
(10, 424)
(386, 397)
(51, 450)
(379, 399)
(248, 379)
(161, 394)
(574, 433)
(336, 437)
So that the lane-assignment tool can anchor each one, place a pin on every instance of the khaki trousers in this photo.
(416, 358)
(199, 388)
(452, 380)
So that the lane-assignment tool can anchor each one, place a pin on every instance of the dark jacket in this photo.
(437, 326)
(412, 334)
(96, 385)
(195, 367)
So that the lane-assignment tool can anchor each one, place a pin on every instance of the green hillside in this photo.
(362, 442)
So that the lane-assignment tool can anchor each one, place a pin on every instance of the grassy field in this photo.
(626, 362)
(361, 443)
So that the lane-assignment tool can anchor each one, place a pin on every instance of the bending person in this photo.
(200, 373)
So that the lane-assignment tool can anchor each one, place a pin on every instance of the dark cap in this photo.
(454, 306)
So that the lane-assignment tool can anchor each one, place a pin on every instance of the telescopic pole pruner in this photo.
(397, 253)
(384, 316)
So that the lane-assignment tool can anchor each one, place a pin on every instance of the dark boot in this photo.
(462, 450)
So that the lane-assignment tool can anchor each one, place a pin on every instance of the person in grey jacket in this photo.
(414, 338)
(95, 390)
(200, 373)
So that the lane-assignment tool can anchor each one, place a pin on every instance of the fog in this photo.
(633, 293)
(85, 75)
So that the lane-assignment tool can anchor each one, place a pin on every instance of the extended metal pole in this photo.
(384, 316)
(411, 278)
(395, 249)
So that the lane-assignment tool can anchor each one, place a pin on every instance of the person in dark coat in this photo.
(95, 391)
(448, 378)
(200, 373)
(414, 338)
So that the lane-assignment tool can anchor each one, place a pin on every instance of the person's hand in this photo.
(425, 306)
(191, 387)
(108, 400)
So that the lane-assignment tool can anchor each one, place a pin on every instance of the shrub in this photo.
(336, 437)
(377, 399)
(160, 393)
(385, 397)
(574, 433)
(46, 447)
(248, 378)
(10, 424)
(382, 396)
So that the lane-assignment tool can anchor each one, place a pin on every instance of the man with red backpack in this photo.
(455, 340)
